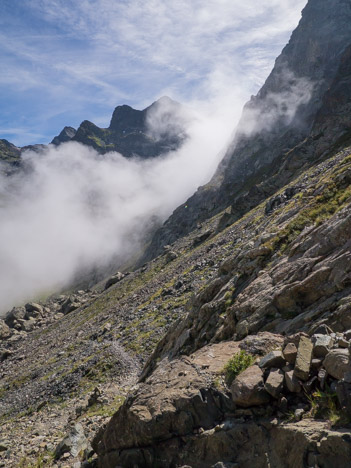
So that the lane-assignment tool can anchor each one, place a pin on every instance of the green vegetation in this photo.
(106, 410)
(324, 405)
(237, 364)
(98, 142)
(332, 199)
(44, 459)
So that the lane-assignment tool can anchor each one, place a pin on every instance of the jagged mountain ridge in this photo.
(299, 114)
(130, 133)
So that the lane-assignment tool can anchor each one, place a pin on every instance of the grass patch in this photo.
(325, 405)
(106, 410)
(332, 199)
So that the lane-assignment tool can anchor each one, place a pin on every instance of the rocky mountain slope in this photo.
(231, 348)
(9, 157)
(300, 116)
(281, 269)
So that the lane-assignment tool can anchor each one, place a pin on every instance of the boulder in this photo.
(74, 443)
(70, 304)
(262, 343)
(290, 353)
(343, 392)
(303, 358)
(116, 278)
(202, 237)
(178, 398)
(14, 315)
(33, 310)
(27, 325)
(337, 362)
(170, 256)
(248, 388)
(274, 382)
(5, 331)
(322, 344)
(272, 359)
(3, 446)
(292, 382)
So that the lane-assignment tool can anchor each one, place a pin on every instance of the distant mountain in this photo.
(130, 131)
(300, 116)
(10, 157)
(148, 133)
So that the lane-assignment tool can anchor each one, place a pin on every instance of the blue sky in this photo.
(63, 61)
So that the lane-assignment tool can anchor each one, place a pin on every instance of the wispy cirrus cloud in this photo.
(83, 58)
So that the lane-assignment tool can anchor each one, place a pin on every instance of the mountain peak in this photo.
(126, 119)
(66, 135)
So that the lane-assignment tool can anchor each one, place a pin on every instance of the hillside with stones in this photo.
(282, 269)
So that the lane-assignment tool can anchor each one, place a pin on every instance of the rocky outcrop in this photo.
(184, 415)
(295, 290)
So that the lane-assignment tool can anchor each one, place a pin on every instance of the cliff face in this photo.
(301, 112)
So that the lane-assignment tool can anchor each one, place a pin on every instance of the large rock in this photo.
(262, 343)
(74, 443)
(33, 310)
(303, 358)
(17, 313)
(248, 388)
(273, 359)
(70, 304)
(321, 345)
(337, 362)
(178, 398)
(343, 391)
(4, 354)
(292, 382)
(116, 278)
(290, 353)
(5, 331)
(274, 382)
(258, 444)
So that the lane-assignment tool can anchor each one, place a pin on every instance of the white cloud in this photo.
(77, 209)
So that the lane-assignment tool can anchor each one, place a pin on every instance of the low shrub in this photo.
(237, 364)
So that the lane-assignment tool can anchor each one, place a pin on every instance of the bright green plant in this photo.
(237, 364)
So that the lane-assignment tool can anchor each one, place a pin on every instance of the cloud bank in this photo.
(76, 208)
